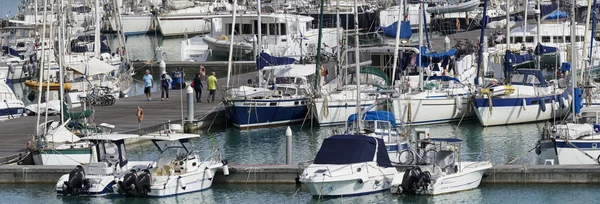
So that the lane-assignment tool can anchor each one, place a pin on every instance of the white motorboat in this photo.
(109, 160)
(349, 165)
(282, 35)
(439, 169)
(10, 106)
(572, 143)
(179, 170)
(136, 23)
(454, 8)
(195, 49)
(530, 99)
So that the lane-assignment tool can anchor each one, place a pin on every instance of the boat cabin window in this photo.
(123, 152)
(558, 39)
(247, 29)
(567, 39)
(532, 79)
(578, 38)
(546, 39)
(529, 39)
(517, 78)
(518, 40)
(286, 91)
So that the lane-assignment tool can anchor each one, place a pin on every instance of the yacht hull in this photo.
(259, 113)
(336, 112)
(561, 152)
(431, 110)
(179, 25)
(62, 157)
(193, 182)
(504, 111)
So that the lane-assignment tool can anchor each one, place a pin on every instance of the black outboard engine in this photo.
(127, 185)
(77, 182)
(415, 181)
(143, 183)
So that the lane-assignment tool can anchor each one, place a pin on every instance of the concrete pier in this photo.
(262, 174)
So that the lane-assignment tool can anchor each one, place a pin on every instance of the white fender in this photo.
(225, 170)
(181, 182)
(457, 105)
(569, 100)
(364, 177)
(555, 104)
(524, 104)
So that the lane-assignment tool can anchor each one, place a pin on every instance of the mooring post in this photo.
(162, 66)
(190, 103)
(288, 146)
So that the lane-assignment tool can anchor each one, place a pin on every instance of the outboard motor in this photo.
(415, 181)
(142, 185)
(127, 185)
(77, 182)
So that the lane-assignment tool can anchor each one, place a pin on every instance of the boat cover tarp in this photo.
(293, 70)
(557, 14)
(547, 9)
(565, 66)
(351, 149)
(435, 57)
(377, 72)
(574, 131)
(542, 49)
(511, 59)
(265, 59)
(375, 115)
(95, 66)
(9, 51)
(405, 30)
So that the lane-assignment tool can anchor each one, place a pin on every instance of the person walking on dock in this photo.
(165, 83)
(211, 82)
(197, 85)
(148, 84)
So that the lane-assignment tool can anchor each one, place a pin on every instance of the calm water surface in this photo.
(249, 194)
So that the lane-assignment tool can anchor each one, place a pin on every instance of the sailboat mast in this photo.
(481, 42)
(319, 44)
(538, 57)
(259, 50)
(585, 37)
(97, 31)
(356, 66)
(61, 39)
(420, 69)
(230, 61)
(395, 61)
(51, 43)
(41, 72)
(508, 41)
(573, 60)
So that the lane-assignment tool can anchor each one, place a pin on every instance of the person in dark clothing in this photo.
(197, 85)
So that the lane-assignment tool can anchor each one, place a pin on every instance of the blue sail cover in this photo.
(541, 49)
(547, 9)
(405, 31)
(511, 59)
(265, 59)
(557, 14)
(440, 78)
(351, 149)
(376, 115)
(434, 57)
(9, 51)
(565, 66)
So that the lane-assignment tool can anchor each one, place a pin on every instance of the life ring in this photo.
(140, 114)
(222, 37)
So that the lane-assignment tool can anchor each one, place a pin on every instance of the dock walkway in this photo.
(15, 133)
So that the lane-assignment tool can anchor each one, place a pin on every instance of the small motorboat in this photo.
(349, 165)
(98, 177)
(438, 169)
(181, 173)
(454, 8)
(53, 86)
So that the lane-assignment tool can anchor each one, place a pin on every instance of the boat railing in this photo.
(477, 162)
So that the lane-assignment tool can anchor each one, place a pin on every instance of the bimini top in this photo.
(352, 149)
(376, 115)
(169, 136)
(110, 137)
(449, 140)
(529, 77)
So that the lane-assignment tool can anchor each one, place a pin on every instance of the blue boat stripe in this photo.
(507, 102)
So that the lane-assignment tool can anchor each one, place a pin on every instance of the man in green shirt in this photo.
(212, 87)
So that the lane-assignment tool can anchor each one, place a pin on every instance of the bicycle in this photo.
(424, 155)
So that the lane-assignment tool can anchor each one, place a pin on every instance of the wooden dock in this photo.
(15, 133)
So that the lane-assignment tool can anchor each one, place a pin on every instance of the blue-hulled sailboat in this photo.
(282, 101)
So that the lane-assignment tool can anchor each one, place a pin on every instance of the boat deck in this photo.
(14, 133)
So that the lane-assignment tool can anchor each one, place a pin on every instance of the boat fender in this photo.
(542, 104)
(524, 104)
(538, 148)
(457, 104)
(225, 168)
(569, 99)
(561, 102)
(24, 68)
(181, 182)
(555, 104)
(363, 178)
(11, 68)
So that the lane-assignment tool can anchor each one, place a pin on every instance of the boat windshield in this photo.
(163, 145)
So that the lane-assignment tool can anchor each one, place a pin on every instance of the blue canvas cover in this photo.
(351, 149)
(548, 9)
(375, 115)
(441, 78)
(511, 59)
(9, 51)
(405, 31)
(265, 59)
(557, 14)
(435, 57)
(527, 72)
(541, 49)
(565, 66)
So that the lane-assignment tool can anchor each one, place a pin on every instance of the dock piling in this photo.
(288, 146)
(162, 67)
(190, 103)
